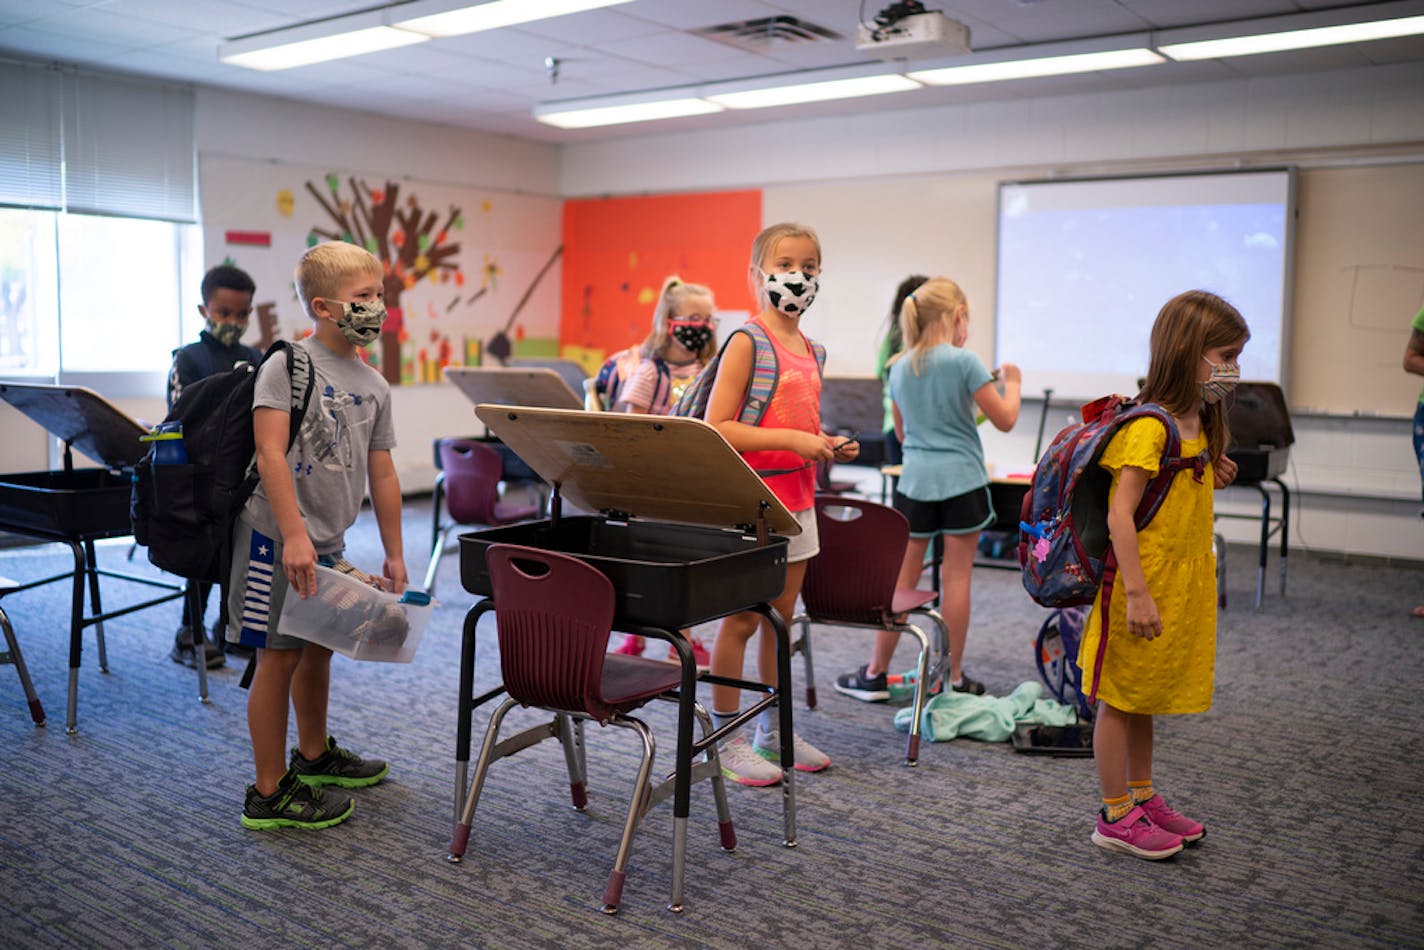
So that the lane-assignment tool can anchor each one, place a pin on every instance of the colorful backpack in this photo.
(618, 369)
(760, 388)
(1064, 548)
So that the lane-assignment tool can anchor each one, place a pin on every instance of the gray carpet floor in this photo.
(1306, 771)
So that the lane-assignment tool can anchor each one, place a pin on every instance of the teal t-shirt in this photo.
(943, 454)
(1418, 324)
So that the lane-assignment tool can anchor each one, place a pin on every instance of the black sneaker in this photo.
(337, 766)
(968, 685)
(867, 689)
(184, 653)
(295, 805)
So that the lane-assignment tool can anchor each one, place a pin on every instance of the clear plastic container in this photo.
(355, 619)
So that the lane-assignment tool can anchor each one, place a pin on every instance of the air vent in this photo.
(758, 35)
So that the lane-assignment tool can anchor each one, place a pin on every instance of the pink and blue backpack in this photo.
(1064, 548)
(760, 387)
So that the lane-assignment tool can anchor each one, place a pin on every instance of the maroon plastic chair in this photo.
(554, 614)
(469, 482)
(852, 583)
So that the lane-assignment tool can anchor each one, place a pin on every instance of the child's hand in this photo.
(1223, 472)
(1142, 617)
(299, 564)
(1010, 373)
(812, 446)
(395, 578)
(847, 449)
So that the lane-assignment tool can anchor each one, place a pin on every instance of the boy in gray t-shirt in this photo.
(309, 495)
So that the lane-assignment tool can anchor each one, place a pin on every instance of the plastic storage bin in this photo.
(356, 619)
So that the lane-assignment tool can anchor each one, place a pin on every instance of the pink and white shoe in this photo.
(700, 656)
(1135, 834)
(1164, 817)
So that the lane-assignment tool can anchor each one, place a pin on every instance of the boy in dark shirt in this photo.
(226, 308)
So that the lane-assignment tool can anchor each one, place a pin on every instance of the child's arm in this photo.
(386, 503)
(734, 373)
(1142, 617)
(271, 428)
(1002, 409)
(899, 422)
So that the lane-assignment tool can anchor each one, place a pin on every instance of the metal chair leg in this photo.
(442, 535)
(802, 644)
(571, 739)
(922, 679)
(13, 646)
(613, 892)
(461, 839)
(719, 788)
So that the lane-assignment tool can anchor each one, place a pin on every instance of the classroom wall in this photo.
(895, 191)
(234, 128)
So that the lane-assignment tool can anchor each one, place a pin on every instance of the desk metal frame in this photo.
(1269, 526)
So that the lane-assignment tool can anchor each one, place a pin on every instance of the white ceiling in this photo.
(490, 81)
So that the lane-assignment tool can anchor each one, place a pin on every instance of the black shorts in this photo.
(962, 514)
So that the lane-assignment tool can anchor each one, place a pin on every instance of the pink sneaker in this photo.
(700, 656)
(631, 646)
(1135, 834)
(1165, 818)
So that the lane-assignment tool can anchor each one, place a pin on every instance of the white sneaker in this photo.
(808, 757)
(746, 767)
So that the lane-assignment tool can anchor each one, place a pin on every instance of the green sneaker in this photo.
(337, 766)
(294, 805)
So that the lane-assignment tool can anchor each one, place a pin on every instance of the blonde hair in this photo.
(1187, 326)
(765, 243)
(673, 294)
(927, 318)
(323, 267)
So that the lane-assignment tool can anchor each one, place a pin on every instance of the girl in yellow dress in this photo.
(1158, 653)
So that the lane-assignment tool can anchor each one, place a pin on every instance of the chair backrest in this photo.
(472, 474)
(854, 577)
(554, 614)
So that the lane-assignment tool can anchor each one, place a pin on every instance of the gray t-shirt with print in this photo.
(349, 417)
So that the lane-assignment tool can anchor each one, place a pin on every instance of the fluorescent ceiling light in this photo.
(1041, 66)
(1295, 39)
(315, 42)
(814, 91)
(567, 115)
(490, 16)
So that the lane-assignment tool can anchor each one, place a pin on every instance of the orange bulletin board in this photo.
(617, 251)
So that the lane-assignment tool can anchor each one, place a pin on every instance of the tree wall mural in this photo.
(413, 244)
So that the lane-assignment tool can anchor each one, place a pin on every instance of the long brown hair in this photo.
(1187, 326)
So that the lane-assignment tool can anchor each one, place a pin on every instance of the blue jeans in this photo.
(1419, 440)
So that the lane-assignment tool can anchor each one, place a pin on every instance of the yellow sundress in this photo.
(1174, 672)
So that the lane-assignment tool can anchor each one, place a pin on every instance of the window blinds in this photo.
(97, 143)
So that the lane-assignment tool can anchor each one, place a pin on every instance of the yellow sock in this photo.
(1140, 791)
(1115, 808)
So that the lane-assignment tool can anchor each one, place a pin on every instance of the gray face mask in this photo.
(360, 322)
(226, 333)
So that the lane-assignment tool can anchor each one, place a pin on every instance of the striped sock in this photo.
(1115, 808)
(1140, 791)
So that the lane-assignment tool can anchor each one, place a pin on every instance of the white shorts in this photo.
(807, 544)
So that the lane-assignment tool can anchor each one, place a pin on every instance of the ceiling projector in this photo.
(912, 35)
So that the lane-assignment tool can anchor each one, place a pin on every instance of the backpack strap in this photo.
(662, 386)
(1172, 463)
(765, 372)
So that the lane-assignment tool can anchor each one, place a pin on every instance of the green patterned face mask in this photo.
(226, 333)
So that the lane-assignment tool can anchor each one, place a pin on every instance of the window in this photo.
(104, 291)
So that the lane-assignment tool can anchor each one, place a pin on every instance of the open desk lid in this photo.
(83, 419)
(659, 468)
(514, 386)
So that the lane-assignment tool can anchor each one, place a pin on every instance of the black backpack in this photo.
(184, 512)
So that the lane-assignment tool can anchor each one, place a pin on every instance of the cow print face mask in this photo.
(790, 291)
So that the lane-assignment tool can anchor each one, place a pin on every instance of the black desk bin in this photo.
(665, 574)
(85, 502)
(1075, 740)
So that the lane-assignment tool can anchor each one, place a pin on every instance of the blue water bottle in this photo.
(167, 439)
